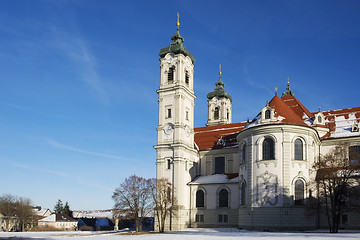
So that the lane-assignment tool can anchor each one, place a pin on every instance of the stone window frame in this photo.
(218, 197)
(264, 111)
(267, 114)
(352, 154)
(223, 218)
(243, 154)
(168, 109)
(188, 76)
(195, 194)
(168, 163)
(268, 152)
(259, 144)
(242, 191)
(214, 164)
(305, 182)
(172, 69)
(304, 148)
(199, 218)
(319, 116)
(216, 113)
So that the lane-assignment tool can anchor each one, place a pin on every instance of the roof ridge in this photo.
(282, 109)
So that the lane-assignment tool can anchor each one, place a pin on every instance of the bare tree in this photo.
(25, 213)
(134, 196)
(337, 185)
(163, 199)
(17, 208)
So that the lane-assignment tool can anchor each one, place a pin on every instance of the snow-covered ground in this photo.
(188, 234)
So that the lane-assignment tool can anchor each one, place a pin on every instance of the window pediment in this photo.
(267, 114)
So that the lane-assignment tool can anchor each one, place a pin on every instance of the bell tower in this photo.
(176, 154)
(219, 104)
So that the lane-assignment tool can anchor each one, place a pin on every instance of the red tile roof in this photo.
(289, 110)
(296, 106)
(207, 137)
(283, 110)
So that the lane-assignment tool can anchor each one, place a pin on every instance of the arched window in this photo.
(243, 193)
(216, 113)
(171, 74)
(299, 192)
(267, 114)
(187, 77)
(244, 153)
(298, 149)
(223, 198)
(268, 149)
(200, 197)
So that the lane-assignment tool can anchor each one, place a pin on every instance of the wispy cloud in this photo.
(251, 82)
(75, 48)
(58, 145)
(40, 169)
(78, 180)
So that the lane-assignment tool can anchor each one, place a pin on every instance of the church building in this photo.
(254, 174)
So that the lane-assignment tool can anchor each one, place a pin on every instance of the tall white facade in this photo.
(176, 154)
(254, 174)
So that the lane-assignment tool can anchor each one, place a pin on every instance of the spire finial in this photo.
(319, 109)
(178, 21)
(276, 90)
(219, 71)
(288, 91)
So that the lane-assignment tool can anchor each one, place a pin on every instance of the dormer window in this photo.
(355, 128)
(187, 77)
(319, 119)
(171, 74)
(221, 142)
(267, 114)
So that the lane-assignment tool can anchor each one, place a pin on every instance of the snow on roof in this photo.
(216, 178)
(93, 213)
(340, 122)
(51, 218)
(58, 218)
(41, 212)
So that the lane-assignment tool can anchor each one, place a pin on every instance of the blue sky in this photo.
(78, 80)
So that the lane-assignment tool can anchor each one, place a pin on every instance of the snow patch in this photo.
(216, 178)
(343, 126)
(280, 118)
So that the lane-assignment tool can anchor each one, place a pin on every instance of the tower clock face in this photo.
(188, 131)
(168, 129)
(216, 101)
(170, 59)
